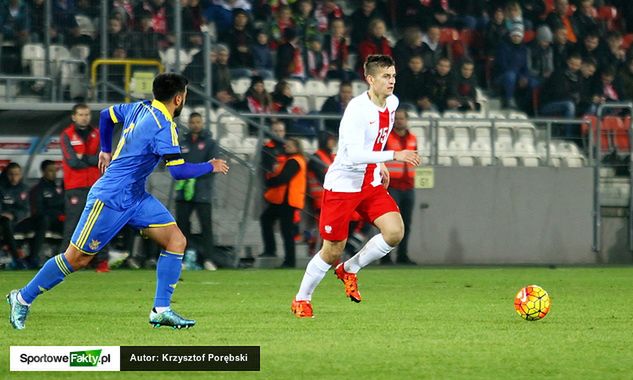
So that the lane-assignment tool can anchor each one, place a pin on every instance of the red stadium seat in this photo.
(611, 124)
(627, 40)
(607, 13)
(621, 136)
(448, 35)
(592, 122)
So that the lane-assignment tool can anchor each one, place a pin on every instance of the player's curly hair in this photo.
(167, 85)
(375, 61)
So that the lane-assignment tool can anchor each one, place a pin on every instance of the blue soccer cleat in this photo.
(17, 312)
(171, 319)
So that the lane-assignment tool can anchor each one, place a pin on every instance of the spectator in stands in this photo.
(161, 11)
(124, 10)
(442, 13)
(561, 94)
(561, 16)
(589, 93)
(409, 45)
(47, 208)
(336, 105)
(15, 21)
(625, 77)
(273, 151)
(361, 19)
(221, 85)
(262, 55)
(117, 36)
(80, 145)
(606, 89)
(432, 48)
(326, 12)
(401, 181)
(64, 16)
(584, 19)
(512, 68)
(285, 193)
(220, 12)
(145, 41)
(14, 208)
(256, 98)
(337, 48)
(469, 14)
(317, 61)
(239, 39)
(496, 31)
(464, 93)
(192, 21)
(615, 55)
(532, 10)
(438, 86)
(195, 194)
(282, 21)
(561, 46)
(514, 17)
(541, 56)
(290, 62)
(411, 83)
(374, 43)
(412, 13)
(282, 98)
(590, 47)
(304, 21)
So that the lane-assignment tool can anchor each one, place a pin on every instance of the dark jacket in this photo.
(438, 89)
(46, 199)
(332, 105)
(512, 57)
(15, 201)
(202, 149)
(563, 85)
(410, 86)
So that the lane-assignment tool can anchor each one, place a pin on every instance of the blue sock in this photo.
(51, 274)
(167, 275)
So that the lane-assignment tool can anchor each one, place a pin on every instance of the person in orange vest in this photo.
(401, 184)
(272, 154)
(285, 193)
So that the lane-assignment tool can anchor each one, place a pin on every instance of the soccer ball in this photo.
(532, 303)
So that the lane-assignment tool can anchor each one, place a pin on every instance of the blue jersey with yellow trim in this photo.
(149, 133)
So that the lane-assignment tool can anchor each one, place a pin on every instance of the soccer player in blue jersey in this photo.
(119, 198)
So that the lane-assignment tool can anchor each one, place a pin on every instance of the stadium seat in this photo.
(528, 36)
(80, 52)
(429, 115)
(505, 132)
(302, 102)
(570, 154)
(269, 84)
(315, 87)
(481, 150)
(517, 115)
(318, 102)
(33, 56)
(247, 146)
(460, 153)
(505, 154)
(621, 136)
(627, 40)
(296, 87)
(168, 58)
(462, 133)
(453, 115)
(526, 154)
(229, 142)
(333, 86)
(482, 134)
(358, 87)
(448, 35)
(240, 85)
(232, 126)
(541, 151)
(473, 115)
(525, 133)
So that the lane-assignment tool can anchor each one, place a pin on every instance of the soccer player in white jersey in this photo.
(357, 180)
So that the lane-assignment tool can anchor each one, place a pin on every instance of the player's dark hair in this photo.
(376, 61)
(194, 114)
(45, 164)
(168, 85)
(79, 106)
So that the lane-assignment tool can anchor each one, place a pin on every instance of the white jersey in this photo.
(362, 137)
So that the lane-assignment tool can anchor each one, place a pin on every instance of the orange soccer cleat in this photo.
(302, 309)
(350, 281)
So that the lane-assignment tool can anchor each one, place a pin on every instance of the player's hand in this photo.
(409, 156)
(219, 166)
(104, 161)
(384, 175)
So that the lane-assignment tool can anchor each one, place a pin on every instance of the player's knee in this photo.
(177, 243)
(393, 235)
(333, 253)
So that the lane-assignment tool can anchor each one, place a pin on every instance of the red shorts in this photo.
(338, 208)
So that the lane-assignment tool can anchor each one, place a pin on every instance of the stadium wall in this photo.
(499, 215)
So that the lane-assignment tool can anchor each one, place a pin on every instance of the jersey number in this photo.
(382, 135)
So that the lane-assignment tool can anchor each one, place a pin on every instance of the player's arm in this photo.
(108, 118)
(352, 131)
(70, 155)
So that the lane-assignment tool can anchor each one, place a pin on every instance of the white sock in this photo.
(160, 309)
(22, 301)
(375, 248)
(315, 271)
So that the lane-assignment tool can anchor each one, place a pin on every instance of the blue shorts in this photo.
(99, 223)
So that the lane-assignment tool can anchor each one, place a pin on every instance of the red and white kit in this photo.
(353, 181)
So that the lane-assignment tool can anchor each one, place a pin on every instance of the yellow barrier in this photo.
(128, 63)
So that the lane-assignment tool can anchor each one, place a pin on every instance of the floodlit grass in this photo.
(412, 324)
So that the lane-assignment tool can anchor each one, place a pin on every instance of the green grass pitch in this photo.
(440, 323)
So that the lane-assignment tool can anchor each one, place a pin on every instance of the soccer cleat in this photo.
(17, 312)
(116, 258)
(302, 309)
(102, 267)
(171, 319)
(350, 281)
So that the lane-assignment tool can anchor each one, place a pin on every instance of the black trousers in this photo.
(203, 211)
(6, 233)
(285, 214)
(405, 199)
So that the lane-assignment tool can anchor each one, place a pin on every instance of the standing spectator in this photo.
(262, 55)
(14, 208)
(606, 89)
(161, 12)
(326, 12)
(512, 68)
(191, 23)
(411, 82)
(562, 47)
(282, 21)
(290, 57)
(256, 98)
(438, 87)
(273, 150)
(495, 32)
(336, 105)
(361, 19)
(584, 19)
(317, 61)
(375, 43)
(432, 49)
(532, 10)
(305, 23)
(561, 16)
(195, 194)
(589, 93)
(80, 145)
(541, 55)
(47, 208)
(239, 40)
(464, 92)
(221, 86)
(401, 180)
(408, 46)
(336, 46)
(285, 193)
(15, 21)
(145, 41)
(220, 12)
(561, 94)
